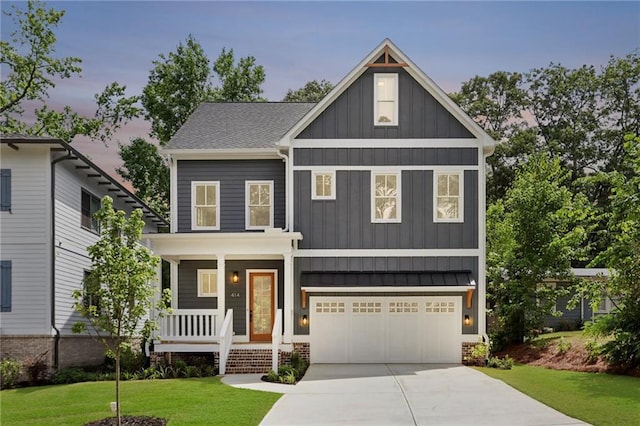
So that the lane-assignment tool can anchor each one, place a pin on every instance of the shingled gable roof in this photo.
(413, 70)
(237, 125)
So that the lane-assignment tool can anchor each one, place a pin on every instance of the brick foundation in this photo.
(467, 357)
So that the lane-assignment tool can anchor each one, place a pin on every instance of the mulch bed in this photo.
(130, 421)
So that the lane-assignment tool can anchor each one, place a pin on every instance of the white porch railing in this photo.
(193, 325)
(276, 340)
(226, 337)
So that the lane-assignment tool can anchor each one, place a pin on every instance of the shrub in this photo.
(299, 363)
(9, 373)
(505, 363)
(289, 377)
(71, 375)
(563, 346)
(272, 376)
(283, 370)
(36, 368)
(593, 349)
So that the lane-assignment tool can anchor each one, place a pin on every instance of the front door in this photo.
(261, 305)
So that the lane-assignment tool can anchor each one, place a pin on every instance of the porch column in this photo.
(288, 298)
(174, 283)
(222, 283)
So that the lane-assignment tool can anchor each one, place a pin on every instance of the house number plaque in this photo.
(235, 295)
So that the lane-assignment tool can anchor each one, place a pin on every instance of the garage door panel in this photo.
(375, 329)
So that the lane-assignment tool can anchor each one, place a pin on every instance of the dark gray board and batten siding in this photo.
(351, 114)
(385, 156)
(345, 223)
(232, 175)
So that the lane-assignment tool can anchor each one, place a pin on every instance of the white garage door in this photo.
(390, 329)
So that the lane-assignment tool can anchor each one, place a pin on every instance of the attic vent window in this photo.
(385, 109)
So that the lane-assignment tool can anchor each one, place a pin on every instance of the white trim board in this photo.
(387, 143)
(390, 169)
(387, 253)
(391, 289)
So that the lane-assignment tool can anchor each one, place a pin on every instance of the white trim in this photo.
(248, 298)
(388, 169)
(173, 194)
(482, 241)
(460, 217)
(590, 272)
(222, 154)
(247, 216)
(194, 184)
(210, 272)
(389, 289)
(318, 172)
(173, 269)
(387, 253)
(395, 101)
(387, 143)
(398, 196)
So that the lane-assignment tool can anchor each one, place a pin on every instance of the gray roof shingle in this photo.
(238, 125)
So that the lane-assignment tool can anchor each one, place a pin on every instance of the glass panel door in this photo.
(261, 305)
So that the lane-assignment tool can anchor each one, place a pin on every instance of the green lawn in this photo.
(183, 401)
(599, 399)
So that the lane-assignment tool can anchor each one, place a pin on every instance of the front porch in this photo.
(232, 295)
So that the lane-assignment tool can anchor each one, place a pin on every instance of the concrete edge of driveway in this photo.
(254, 382)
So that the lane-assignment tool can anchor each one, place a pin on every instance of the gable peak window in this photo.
(259, 200)
(205, 201)
(90, 204)
(448, 190)
(385, 108)
(385, 197)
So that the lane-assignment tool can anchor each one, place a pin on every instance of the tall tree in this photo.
(29, 57)
(621, 327)
(497, 103)
(177, 84)
(147, 171)
(533, 234)
(238, 83)
(312, 91)
(119, 295)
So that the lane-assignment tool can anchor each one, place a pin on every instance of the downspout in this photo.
(56, 348)
(285, 159)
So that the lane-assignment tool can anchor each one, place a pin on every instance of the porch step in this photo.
(249, 361)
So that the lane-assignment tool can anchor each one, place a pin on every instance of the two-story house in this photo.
(49, 192)
(351, 230)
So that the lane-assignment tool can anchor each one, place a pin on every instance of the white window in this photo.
(448, 203)
(605, 306)
(385, 197)
(259, 197)
(207, 282)
(385, 108)
(323, 185)
(205, 202)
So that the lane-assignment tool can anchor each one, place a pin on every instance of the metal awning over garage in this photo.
(388, 281)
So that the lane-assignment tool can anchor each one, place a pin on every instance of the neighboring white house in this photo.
(48, 193)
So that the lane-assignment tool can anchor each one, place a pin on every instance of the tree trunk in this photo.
(118, 387)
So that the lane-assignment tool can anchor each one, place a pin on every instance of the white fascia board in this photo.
(193, 245)
(223, 154)
(391, 289)
(387, 253)
(386, 143)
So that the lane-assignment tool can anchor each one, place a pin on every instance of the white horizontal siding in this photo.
(30, 176)
(29, 290)
(24, 239)
(72, 240)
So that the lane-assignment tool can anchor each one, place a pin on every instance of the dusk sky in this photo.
(301, 41)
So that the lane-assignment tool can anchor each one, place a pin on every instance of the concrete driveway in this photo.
(400, 394)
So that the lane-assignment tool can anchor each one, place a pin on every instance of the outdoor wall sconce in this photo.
(467, 320)
(305, 321)
(235, 277)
